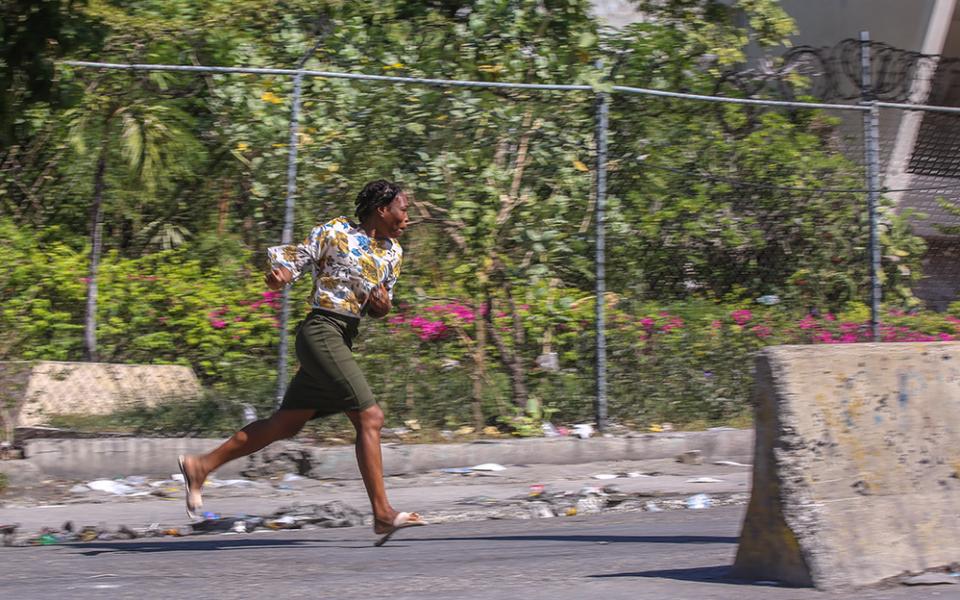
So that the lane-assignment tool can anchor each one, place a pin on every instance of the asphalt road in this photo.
(672, 555)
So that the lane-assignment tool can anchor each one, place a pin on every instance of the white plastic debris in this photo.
(604, 476)
(549, 430)
(704, 480)
(730, 463)
(489, 467)
(652, 507)
(699, 501)
(583, 430)
(457, 470)
(548, 361)
(111, 487)
(235, 482)
(541, 510)
(293, 477)
(177, 477)
(79, 489)
(590, 504)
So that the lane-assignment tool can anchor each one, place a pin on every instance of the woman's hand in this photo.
(278, 277)
(379, 305)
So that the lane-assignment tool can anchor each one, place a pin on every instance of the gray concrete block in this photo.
(93, 458)
(857, 464)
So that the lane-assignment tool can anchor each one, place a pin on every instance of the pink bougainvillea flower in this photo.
(741, 317)
(218, 324)
(848, 327)
(673, 323)
(824, 337)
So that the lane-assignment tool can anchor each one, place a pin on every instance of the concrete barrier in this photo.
(856, 466)
(94, 458)
(41, 389)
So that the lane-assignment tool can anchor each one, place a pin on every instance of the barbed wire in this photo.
(832, 73)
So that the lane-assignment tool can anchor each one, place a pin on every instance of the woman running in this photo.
(355, 265)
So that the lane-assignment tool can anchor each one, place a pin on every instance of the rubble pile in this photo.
(542, 503)
(296, 516)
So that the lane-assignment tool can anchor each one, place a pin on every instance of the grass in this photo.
(205, 417)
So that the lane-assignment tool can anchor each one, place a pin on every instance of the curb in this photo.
(112, 457)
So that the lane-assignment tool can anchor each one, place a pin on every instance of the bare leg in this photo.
(255, 436)
(370, 460)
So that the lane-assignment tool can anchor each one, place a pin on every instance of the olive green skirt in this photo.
(329, 380)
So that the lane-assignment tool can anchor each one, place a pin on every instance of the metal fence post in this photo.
(288, 234)
(603, 109)
(871, 127)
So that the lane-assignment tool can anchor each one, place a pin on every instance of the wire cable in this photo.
(828, 190)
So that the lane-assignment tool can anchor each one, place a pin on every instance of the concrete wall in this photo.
(54, 388)
(856, 466)
(95, 458)
(826, 22)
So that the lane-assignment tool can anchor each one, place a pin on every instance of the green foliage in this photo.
(194, 172)
(953, 210)
(165, 307)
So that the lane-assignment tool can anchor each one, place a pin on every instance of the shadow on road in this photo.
(97, 548)
(184, 545)
(613, 539)
(718, 574)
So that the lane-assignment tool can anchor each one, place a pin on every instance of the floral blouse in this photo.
(345, 262)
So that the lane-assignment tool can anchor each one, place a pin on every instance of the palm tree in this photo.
(151, 136)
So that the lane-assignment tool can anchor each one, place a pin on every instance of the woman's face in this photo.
(393, 216)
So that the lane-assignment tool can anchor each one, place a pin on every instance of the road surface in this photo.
(637, 556)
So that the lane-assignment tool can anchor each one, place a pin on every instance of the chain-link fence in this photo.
(710, 226)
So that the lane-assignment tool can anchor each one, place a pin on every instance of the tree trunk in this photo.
(512, 361)
(96, 236)
(223, 209)
(479, 358)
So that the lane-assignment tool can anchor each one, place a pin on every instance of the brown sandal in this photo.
(193, 497)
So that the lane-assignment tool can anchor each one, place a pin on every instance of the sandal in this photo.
(193, 497)
(401, 521)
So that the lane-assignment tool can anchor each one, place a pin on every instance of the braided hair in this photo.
(374, 195)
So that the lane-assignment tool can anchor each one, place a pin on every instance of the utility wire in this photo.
(828, 190)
